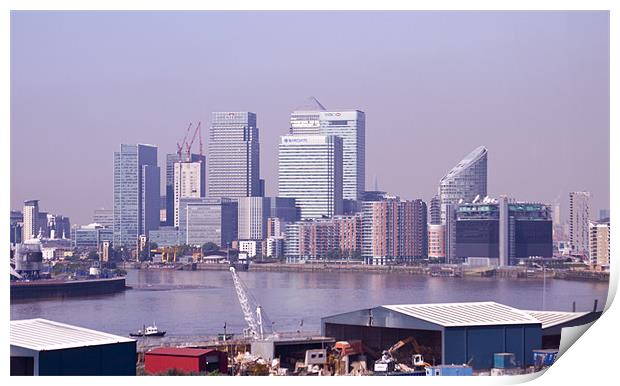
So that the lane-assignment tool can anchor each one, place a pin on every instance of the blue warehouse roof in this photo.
(436, 316)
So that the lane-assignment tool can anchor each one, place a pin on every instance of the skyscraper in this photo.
(466, 181)
(188, 182)
(350, 125)
(136, 193)
(310, 171)
(31, 220)
(579, 222)
(171, 159)
(233, 153)
(599, 243)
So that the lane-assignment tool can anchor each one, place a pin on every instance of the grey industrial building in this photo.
(44, 347)
(455, 333)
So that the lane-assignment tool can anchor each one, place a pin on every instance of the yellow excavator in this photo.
(417, 359)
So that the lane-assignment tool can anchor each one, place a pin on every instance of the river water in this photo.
(188, 303)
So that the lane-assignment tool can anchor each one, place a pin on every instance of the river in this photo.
(199, 302)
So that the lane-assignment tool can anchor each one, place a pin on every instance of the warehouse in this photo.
(554, 321)
(444, 333)
(44, 347)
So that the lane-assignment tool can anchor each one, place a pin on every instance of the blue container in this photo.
(504, 360)
(545, 357)
(449, 371)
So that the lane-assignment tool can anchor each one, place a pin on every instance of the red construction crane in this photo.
(188, 145)
(180, 146)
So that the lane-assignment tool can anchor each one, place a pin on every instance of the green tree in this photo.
(209, 247)
(93, 255)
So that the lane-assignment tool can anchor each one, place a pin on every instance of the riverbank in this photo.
(434, 270)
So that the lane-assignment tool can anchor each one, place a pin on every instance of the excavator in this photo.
(388, 361)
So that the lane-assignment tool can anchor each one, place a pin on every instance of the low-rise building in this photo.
(45, 347)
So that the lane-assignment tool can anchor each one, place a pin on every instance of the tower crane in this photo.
(257, 320)
(180, 146)
(188, 145)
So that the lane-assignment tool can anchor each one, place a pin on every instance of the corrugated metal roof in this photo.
(45, 335)
(465, 314)
(179, 351)
(553, 318)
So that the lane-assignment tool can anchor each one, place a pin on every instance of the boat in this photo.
(148, 331)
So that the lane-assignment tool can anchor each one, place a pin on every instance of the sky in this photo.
(533, 87)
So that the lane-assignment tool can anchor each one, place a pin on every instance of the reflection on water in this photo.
(199, 302)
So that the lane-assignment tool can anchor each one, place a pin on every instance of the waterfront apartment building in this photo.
(339, 237)
(394, 230)
(188, 183)
(136, 193)
(579, 222)
(599, 243)
(503, 232)
(310, 171)
(172, 159)
(205, 220)
(350, 125)
(436, 242)
(31, 220)
(233, 153)
(466, 181)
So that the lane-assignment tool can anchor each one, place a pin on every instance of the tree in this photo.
(209, 247)
(93, 255)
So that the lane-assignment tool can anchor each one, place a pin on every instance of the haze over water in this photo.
(198, 303)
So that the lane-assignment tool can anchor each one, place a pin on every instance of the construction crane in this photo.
(188, 145)
(253, 313)
(180, 146)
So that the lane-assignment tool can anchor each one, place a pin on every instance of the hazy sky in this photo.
(533, 87)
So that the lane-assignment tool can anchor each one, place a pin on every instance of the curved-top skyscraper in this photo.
(465, 181)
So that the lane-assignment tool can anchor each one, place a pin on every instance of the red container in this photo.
(162, 359)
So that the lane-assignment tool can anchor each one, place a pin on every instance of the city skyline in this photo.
(557, 126)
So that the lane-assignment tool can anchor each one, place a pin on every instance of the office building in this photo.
(104, 217)
(599, 243)
(204, 220)
(30, 229)
(274, 247)
(233, 153)
(466, 181)
(503, 231)
(167, 236)
(58, 226)
(17, 224)
(310, 171)
(252, 217)
(91, 236)
(171, 159)
(136, 193)
(350, 125)
(255, 212)
(579, 222)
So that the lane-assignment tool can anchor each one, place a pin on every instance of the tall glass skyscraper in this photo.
(233, 154)
(310, 171)
(136, 193)
(465, 181)
(350, 125)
